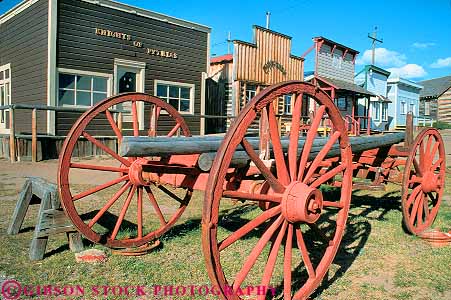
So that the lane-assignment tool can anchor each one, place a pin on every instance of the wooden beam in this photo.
(12, 136)
(34, 140)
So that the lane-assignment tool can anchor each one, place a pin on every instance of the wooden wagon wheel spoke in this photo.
(99, 188)
(98, 168)
(269, 268)
(106, 149)
(275, 184)
(127, 171)
(135, 119)
(174, 130)
(172, 195)
(304, 253)
(248, 227)
(155, 205)
(153, 120)
(287, 263)
(328, 175)
(124, 209)
(281, 166)
(255, 253)
(437, 164)
(413, 195)
(140, 212)
(113, 199)
(321, 155)
(311, 134)
(428, 179)
(294, 138)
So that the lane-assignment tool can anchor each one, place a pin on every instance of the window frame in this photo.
(345, 108)
(412, 107)
(403, 107)
(427, 108)
(249, 91)
(376, 111)
(75, 72)
(6, 84)
(384, 108)
(290, 106)
(191, 86)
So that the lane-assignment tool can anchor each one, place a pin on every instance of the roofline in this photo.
(380, 70)
(117, 6)
(15, 10)
(271, 31)
(404, 81)
(316, 38)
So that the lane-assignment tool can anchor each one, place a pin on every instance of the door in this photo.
(129, 77)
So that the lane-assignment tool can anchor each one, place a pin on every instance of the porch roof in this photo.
(345, 86)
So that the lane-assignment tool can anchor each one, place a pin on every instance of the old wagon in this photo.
(288, 195)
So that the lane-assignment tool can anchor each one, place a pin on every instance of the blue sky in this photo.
(416, 34)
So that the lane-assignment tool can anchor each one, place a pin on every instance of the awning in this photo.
(345, 85)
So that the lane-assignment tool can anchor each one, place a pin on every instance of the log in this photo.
(165, 146)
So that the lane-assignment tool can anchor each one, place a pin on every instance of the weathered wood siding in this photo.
(333, 65)
(432, 108)
(81, 49)
(444, 104)
(269, 46)
(23, 44)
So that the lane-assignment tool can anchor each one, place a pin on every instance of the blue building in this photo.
(405, 96)
(374, 79)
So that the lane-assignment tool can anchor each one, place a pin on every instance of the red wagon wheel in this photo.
(301, 216)
(118, 222)
(423, 181)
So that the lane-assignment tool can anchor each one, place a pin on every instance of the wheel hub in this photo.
(301, 203)
(430, 182)
(135, 172)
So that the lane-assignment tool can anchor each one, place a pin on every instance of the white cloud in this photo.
(442, 63)
(408, 71)
(422, 45)
(384, 58)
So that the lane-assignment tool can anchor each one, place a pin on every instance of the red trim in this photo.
(221, 59)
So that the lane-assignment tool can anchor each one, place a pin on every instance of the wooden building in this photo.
(74, 53)
(374, 79)
(405, 97)
(435, 99)
(251, 68)
(334, 73)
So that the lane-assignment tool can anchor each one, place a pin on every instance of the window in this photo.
(375, 110)
(179, 95)
(427, 108)
(412, 108)
(82, 89)
(337, 61)
(341, 103)
(384, 111)
(251, 91)
(287, 104)
(403, 107)
(5, 91)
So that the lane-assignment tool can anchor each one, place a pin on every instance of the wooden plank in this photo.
(34, 140)
(21, 208)
(12, 136)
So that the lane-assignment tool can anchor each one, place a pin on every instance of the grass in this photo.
(376, 259)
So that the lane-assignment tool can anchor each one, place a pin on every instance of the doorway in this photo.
(129, 77)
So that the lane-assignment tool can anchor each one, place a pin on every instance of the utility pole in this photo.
(374, 39)
(268, 16)
(229, 41)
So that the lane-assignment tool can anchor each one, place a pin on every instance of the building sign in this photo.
(271, 64)
(135, 43)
